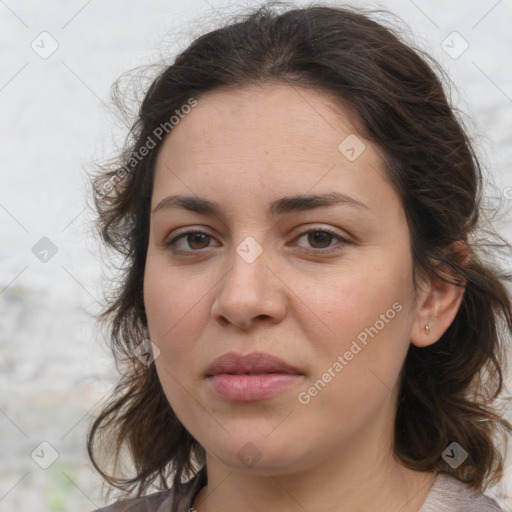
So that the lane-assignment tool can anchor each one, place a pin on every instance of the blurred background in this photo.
(59, 60)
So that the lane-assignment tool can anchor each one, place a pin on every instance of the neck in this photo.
(330, 486)
(357, 475)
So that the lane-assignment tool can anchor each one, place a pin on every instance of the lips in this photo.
(251, 377)
(255, 363)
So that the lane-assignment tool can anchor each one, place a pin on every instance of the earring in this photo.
(427, 329)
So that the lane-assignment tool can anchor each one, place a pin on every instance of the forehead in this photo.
(270, 138)
(255, 112)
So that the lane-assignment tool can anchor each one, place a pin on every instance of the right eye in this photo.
(195, 240)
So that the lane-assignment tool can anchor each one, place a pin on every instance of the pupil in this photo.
(321, 236)
(197, 236)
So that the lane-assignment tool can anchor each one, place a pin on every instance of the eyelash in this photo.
(328, 250)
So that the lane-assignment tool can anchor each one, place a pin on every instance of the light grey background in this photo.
(55, 120)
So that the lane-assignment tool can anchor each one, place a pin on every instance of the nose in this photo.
(250, 293)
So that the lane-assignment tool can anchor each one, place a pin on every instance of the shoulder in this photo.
(152, 503)
(161, 501)
(452, 495)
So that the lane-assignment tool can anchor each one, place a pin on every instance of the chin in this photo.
(257, 454)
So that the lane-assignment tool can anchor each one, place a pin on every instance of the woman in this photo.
(307, 319)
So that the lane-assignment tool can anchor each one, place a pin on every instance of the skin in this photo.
(243, 149)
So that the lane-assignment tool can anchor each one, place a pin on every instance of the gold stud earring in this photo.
(427, 329)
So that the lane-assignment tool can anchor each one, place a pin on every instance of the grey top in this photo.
(448, 494)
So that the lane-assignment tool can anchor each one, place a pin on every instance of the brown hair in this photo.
(448, 389)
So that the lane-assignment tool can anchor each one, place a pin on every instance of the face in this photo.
(326, 288)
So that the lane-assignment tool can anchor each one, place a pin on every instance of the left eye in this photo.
(321, 239)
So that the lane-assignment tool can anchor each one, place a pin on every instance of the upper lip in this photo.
(255, 362)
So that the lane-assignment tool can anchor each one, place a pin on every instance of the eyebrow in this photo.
(278, 207)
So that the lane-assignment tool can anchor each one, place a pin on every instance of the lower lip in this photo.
(251, 387)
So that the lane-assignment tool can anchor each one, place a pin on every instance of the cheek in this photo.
(173, 310)
(366, 319)
(172, 298)
(356, 298)
(357, 365)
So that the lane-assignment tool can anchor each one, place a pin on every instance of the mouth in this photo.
(251, 377)
(255, 363)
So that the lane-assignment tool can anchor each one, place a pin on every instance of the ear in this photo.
(439, 299)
